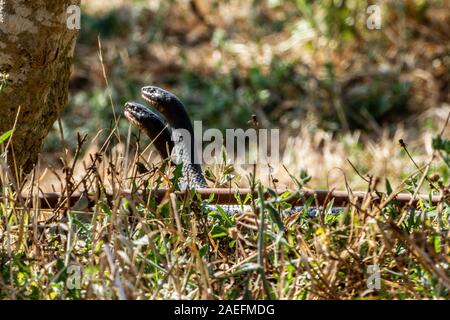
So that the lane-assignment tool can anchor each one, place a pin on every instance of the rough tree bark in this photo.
(36, 51)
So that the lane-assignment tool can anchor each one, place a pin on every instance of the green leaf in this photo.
(285, 195)
(441, 144)
(247, 198)
(388, 187)
(204, 250)
(329, 206)
(275, 215)
(5, 136)
(437, 244)
(218, 232)
(3, 80)
(177, 174)
(272, 193)
(106, 209)
(237, 196)
(307, 205)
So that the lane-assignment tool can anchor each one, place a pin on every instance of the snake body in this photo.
(170, 143)
(150, 123)
(178, 140)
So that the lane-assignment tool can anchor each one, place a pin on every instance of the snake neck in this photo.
(184, 152)
(183, 136)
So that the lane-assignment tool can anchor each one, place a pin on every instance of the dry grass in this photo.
(138, 249)
(319, 152)
(187, 44)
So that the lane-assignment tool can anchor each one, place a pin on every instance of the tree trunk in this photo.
(36, 51)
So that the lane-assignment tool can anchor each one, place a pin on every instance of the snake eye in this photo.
(129, 106)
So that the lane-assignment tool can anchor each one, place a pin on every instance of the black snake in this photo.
(169, 141)
(176, 139)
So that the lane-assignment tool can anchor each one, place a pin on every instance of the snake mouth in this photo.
(152, 94)
(130, 116)
(161, 99)
(174, 112)
(135, 113)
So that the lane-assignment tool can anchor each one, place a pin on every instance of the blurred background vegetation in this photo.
(335, 88)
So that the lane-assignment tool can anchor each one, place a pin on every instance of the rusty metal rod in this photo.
(227, 196)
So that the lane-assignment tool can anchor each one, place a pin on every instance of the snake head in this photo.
(176, 115)
(141, 116)
(149, 122)
(164, 101)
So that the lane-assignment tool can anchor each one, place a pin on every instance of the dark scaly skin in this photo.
(175, 113)
(166, 141)
(152, 125)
